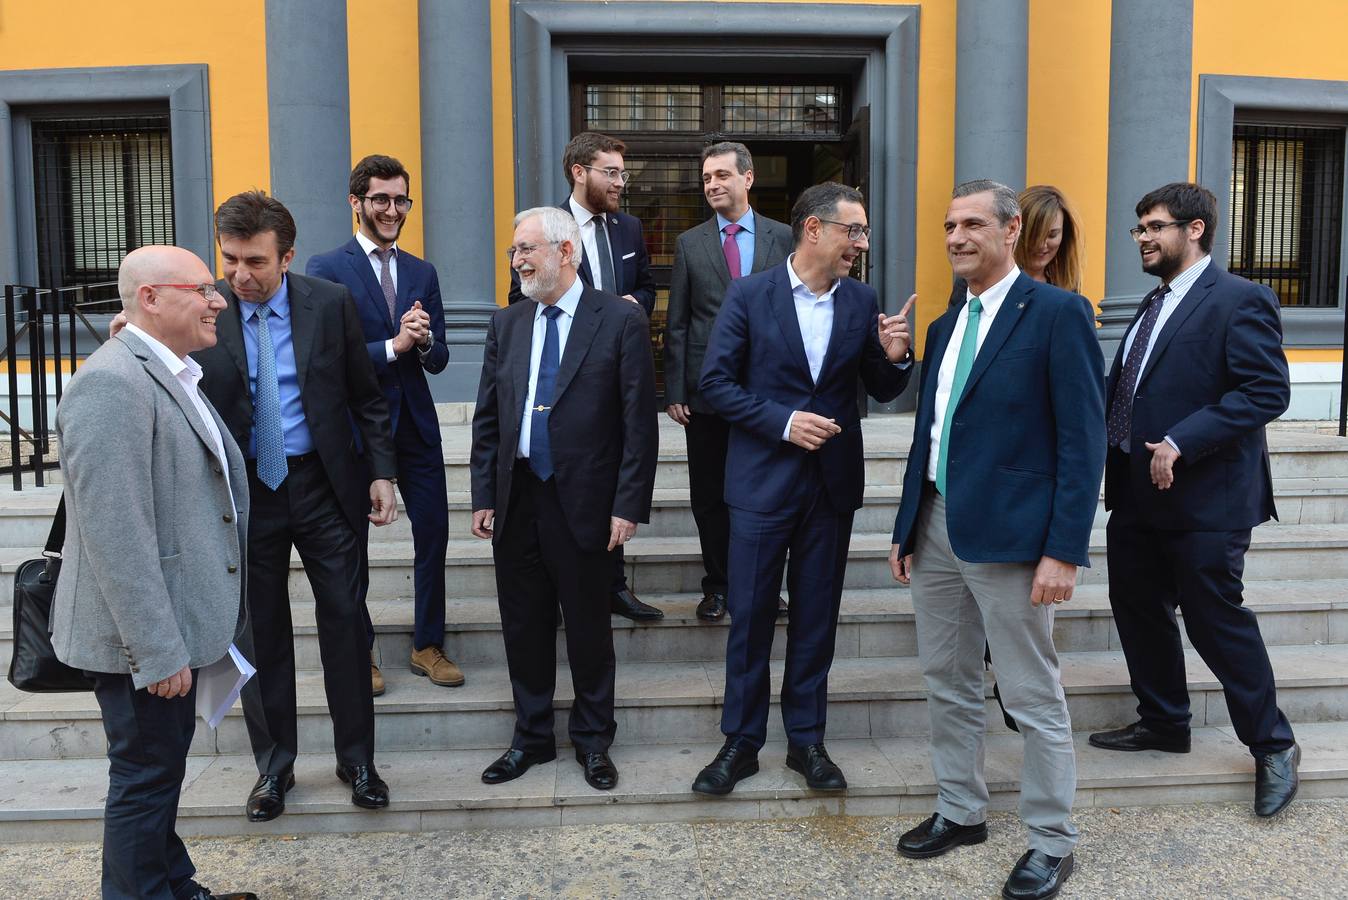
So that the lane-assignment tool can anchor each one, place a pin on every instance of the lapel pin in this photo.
(1020, 306)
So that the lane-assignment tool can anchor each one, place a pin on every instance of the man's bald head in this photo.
(157, 264)
(170, 294)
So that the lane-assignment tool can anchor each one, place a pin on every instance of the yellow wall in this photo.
(229, 38)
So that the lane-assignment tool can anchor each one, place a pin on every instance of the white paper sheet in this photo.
(219, 684)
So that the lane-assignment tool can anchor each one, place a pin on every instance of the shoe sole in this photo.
(797, 767)
(1103, 746)
(420, 670)
(748, 771)
(290, 783)
(1051, 894)
(928, 854)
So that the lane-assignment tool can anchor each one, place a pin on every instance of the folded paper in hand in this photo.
(219, 684)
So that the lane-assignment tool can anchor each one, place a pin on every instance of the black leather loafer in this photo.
(937, 835)
(268, 798)
(600, 772)
(821, 773)
(732, 765)
(368, 790)
(514, 763)
(1275, 781)
(1037, 876)
(1138, 736)
(711, 608)
(625, 603)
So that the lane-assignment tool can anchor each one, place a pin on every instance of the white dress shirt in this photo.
(188, 373)
(814, 314)
(567, 303)
(370, 247)
(991, 301)
(586, 220)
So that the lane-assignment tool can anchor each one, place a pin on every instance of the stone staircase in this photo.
(434, 742)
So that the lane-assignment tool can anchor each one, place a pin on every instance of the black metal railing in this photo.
(38, 321)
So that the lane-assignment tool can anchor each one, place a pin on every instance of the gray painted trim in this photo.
(185, 87)
(992, 93)
(1218, 98)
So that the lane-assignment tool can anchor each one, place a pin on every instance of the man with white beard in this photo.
(563, 467)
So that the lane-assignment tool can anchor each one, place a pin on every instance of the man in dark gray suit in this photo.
(733, 243)
(152, 586)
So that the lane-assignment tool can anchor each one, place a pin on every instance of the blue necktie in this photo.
(267, 430)
(540, 442)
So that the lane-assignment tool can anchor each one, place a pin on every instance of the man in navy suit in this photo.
(1199, 374)
(998, 498)
(398, 298)
(782, 367)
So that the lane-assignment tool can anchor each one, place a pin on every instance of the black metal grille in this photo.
(1287, 210)
(643, 107)
(781, 109)
(104, 188)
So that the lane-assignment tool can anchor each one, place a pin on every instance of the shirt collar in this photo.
(746, 221)
(797, 286)
(370, 246)
(1180, 284)
(991, 299)
(279, 303)
(567, 303)
(581, 214)
(174, 362)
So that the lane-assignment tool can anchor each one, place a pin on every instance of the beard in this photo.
(1165, 266)
(597, 197)
(373, 226)
(543, 282)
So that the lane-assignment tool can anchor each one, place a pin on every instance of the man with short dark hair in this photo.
(398, 299)
(613, 259)
(1199, 374)
(735, 242)
(786, 353)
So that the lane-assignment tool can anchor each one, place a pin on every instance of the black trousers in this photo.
(708, 437)
(304, 512)
(1151, 572)
(539, 566)
(148, 739)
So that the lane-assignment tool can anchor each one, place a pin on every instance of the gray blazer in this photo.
(152, 577)
(696, 289)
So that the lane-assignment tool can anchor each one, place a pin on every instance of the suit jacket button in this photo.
(217, 470)
(231, 568)
(135, 670)
(227, 517)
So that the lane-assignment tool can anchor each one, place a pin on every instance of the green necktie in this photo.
(965, 362)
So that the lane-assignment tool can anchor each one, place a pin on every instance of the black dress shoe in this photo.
(937, 835)
(821, 773)
(514, 763)
(783, 611)
(368, 790)
(204, 894)
(600, 772)
(1037, 876)
(712, 608)
(625, 603)
(1275, 781)
(268, 799)
(1139, 736)
(732, 765)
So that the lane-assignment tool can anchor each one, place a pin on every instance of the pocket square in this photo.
(629, 255)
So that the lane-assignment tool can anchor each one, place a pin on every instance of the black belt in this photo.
(299, 459)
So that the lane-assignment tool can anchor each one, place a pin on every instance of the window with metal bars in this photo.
(729, 110)
(104, 187)
(1287, 210)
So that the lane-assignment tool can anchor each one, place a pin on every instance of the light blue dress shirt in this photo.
(744, 240)
(297, 437)
(567, 303)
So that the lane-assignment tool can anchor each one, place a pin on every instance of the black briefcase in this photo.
(34, 666)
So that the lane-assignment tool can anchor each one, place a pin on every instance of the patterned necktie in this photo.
(540, 441)
(386, 280)
(731, 249)
(267, 430)
(605, 257)
(963, 363)
(1120, 422)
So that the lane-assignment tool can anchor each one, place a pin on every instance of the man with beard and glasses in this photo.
(1199, 374)
(563, 467)
(398, 298)
(613, 258)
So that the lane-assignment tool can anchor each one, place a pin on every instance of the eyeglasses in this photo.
(527, 249)
(611, 174)
(854, 232)
(1153, 229)
(381, 201)
(205, 289)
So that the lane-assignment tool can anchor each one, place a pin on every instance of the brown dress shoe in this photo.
(376, 678)
(440, 669)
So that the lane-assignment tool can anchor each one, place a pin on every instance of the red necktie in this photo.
(731, 249)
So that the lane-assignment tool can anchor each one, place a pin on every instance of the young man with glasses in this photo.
(613, 260)
(398, 298)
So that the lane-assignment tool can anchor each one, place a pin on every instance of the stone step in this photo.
(668, 702)
(62, 800)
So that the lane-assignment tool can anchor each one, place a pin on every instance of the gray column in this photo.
(1150, 63)
(309, 117)
(456, 181)
(991, 90)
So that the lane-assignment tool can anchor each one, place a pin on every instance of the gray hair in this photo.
(1004, 200)
(558, 225)
(744, 161)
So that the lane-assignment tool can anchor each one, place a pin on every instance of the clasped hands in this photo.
(414, 329)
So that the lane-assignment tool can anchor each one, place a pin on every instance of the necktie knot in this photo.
(732, 229)
(384, 253)
(975, 306)
(552, 312)
(263, 311)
